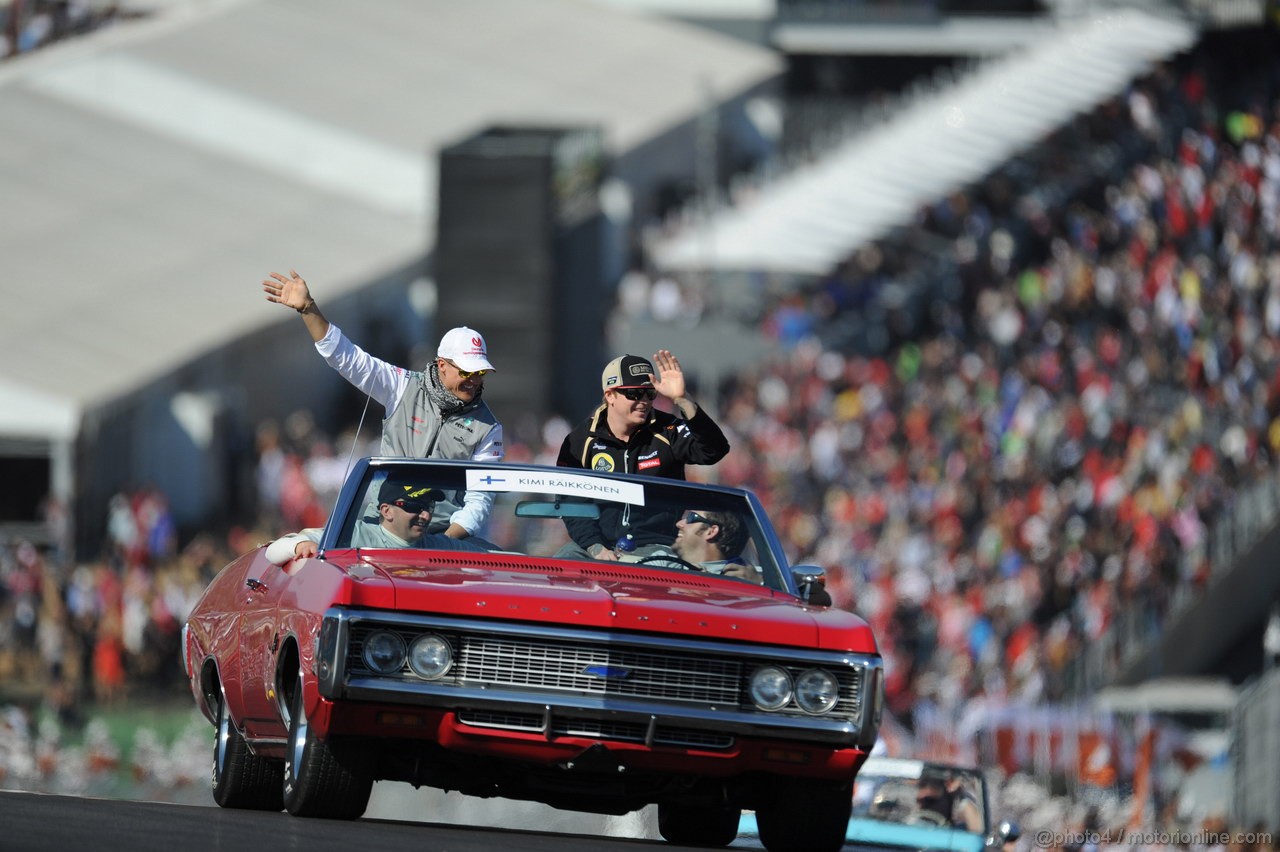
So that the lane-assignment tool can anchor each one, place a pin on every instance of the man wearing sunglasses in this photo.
(627, 434)
(941, 798)
(434, 413)
(715, 541)
(405, 508)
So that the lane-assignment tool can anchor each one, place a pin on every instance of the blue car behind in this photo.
(915, 804)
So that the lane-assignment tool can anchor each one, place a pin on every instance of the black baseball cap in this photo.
(627, 371)
(399, 490)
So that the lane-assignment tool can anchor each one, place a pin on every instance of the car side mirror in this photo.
(811, 580)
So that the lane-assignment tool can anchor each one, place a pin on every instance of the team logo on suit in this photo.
(602, 462)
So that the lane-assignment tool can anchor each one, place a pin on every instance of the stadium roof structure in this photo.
(806, 221)
(155, 171)
(1170, 695)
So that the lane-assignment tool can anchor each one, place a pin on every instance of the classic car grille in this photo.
(555, 665)
(497, 659)
(620, 731)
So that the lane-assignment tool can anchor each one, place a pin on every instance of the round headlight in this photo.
(384, 652)
(817, 691)
(430, 656)
(770, 688)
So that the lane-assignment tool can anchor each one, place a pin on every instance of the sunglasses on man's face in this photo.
(639, 394)
(466, 374)
(692, 517)
(414, 507)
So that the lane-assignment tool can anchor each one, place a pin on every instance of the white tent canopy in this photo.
(155, 171)
(30, 414)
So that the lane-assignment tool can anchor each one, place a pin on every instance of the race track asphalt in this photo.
(31, 822)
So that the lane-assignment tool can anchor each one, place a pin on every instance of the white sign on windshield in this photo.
(568, 484)
(893, 767)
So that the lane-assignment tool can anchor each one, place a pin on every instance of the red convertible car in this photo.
(602, 644)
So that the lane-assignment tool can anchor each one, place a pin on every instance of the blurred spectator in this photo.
(27, 25)
(270, 473)
(108, 660)
(633, 294)
(666, 304)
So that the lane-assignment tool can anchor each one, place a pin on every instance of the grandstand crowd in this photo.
(1054, 451)
(1042, 450)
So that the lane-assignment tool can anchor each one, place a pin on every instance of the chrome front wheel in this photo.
(332, 780)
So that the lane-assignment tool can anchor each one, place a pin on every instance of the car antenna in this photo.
(355, 441)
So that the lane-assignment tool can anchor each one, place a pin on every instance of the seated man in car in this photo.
(933, 802)
(966, 813)
(714, 541)
(942, 799)
(890, 805)
(404, 513)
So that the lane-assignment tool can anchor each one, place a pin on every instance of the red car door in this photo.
(259, 639)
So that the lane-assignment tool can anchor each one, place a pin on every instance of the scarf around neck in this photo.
(440, 396)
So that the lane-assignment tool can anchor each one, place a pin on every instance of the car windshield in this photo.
(915, 793)
(541, 512)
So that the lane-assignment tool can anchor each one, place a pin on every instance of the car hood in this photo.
(608, 596)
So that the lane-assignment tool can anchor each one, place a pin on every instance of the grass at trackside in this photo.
(168, 726)
(168, 717)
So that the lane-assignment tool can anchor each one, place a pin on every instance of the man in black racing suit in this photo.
(627, 435)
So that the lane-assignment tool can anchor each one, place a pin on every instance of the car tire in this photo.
(325, 779)
(242, 779)
(805, 816)
(692, 826)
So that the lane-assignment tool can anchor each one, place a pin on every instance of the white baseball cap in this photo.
(465, 347)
